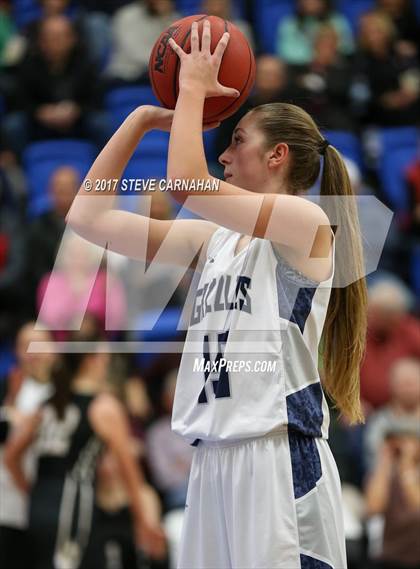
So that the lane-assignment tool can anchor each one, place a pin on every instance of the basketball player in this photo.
(68, 433)
(264, 490)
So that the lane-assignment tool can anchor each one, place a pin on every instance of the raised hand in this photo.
(200, 68)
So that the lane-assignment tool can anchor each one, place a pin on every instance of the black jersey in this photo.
(68, 443)
(62, 498)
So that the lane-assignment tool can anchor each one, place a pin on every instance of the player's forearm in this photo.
(89, 204)
(14, 464)
(134, 482)
(186, 157)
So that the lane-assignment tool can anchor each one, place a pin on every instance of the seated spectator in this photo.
(106, 6)
(392, 77)
(59, 90)
(326, 82)
(15, 179)
(135, 29)
(223, 9)
(413, 182)
(403, 410)
(45, 232)
(403, 16)
(296, 33)
(393, 491)
(78, 285)
(273, 83)
(92, 28)
(392, 334)
(11, 47)
(402, 249)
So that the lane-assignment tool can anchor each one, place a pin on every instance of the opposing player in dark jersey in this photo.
(69, 432)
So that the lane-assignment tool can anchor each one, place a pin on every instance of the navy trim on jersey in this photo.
(304, 410)
(292, 292)
(306, 464)
(307, 562)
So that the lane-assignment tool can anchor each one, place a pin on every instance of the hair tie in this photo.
(323, 147)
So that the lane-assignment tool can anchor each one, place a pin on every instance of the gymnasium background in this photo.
(70, 72)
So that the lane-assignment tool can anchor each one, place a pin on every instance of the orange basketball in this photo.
(237, 69)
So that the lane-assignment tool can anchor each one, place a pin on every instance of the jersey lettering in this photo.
(217, 373)
(205, 302)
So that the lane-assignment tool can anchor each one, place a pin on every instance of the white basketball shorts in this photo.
(268, 503)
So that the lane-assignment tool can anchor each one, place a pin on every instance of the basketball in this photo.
(237, 69)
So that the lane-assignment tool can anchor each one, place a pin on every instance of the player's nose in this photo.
(225, 158)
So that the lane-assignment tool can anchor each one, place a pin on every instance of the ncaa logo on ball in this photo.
(162, 47)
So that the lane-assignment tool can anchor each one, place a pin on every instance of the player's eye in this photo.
(237, 139)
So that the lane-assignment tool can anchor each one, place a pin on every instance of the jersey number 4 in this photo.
(215, 371)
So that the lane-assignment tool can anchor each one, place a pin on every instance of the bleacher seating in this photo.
(347, 143)
(353, 9)
(399, 147)
(120, 102)
(268, 14)
(40, 159)
(25, 11)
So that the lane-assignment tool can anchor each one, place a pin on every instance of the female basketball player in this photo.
(264, 489)
(69, 431)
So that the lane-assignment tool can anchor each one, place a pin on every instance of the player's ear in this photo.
(278, 155)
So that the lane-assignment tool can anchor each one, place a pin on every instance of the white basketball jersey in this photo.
(250, 361)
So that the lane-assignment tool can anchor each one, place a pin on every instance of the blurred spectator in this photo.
(403, 16)
(79, 284)
(413, 182)
(11, 46)
(45, 232)
(392, 334)
(105, 6)
(403, 410)
(273, 82)
(92, 27)
(12, 263)
(59, 90)
(223, 9)
(26, 388)
(392, 76)
(135, 29)
(326, 81)
(296, 33)
(393, 491)
(168, 455)
(15, 178)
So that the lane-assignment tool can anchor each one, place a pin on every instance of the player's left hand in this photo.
(158, 118)
(200, 68)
